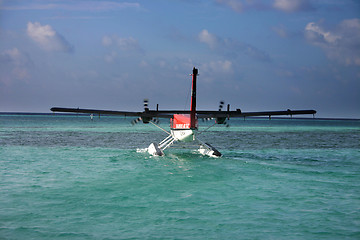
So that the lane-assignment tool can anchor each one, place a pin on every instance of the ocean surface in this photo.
(67, 177)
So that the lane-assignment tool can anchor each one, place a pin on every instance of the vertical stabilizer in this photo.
(193, 119)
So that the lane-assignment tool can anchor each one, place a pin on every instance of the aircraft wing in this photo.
(238, 113)
(144, 114)
(95, 111)
(170, 113)
(230, 114)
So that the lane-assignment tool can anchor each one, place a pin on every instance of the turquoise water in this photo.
(66, 177)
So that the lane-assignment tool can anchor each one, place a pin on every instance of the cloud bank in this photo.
(230, 47)
(47, 38)
(124, 44)
(73, 6)
(14, 66)
(120, 46)
(235, 5)
(208, 38)
(341, 43)
(292, 5)
(280, 5)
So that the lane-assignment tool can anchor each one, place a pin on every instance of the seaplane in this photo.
(184, 123)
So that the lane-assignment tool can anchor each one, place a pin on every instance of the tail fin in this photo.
(193, 119)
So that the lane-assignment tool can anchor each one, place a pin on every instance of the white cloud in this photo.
(280, 31)
(14, 66)
(231, 48)
(128, 44)
(341, 43)
(124, 44)
(47, 38)
(292, 5)
(215, 70)
(143, 63)
(266, 5)
(111, 56)
(72, 6)
(101, 5)
(162, 63)
(121, 47)
(208, 38)
(217, 67)
(314, 31)
(106, 41)
(13, 55)
(235, 5)
(225, 66)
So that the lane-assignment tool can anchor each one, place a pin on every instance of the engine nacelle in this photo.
(220, 120)
(146, 119)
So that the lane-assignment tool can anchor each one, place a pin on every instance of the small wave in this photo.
(141, 150)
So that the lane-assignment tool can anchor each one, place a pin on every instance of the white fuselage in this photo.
(183, 135)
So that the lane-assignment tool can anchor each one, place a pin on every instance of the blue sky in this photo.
(254, 54)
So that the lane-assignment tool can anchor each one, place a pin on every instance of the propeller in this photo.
(156, 121)
(146, 104)
(135, 121)
(222, 120)
(221, 105)
(206, 119)
(146, 108)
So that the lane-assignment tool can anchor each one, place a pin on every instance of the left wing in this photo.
(238, 113)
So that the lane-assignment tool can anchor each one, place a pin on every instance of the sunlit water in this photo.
(66, 177)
